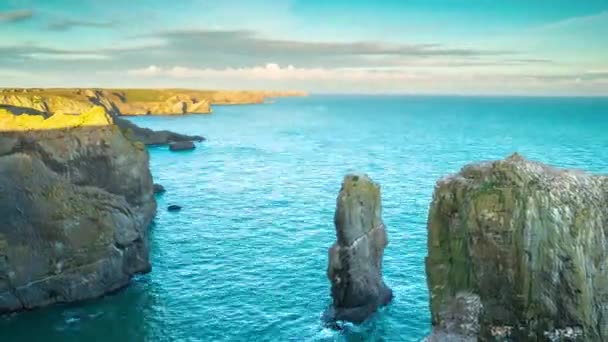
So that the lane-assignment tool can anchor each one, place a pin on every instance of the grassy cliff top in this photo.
(96, 116)
(148, 95)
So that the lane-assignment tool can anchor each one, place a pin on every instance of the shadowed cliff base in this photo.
(531, 241)
(75, 206)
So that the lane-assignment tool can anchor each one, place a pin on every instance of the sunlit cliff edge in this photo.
(133, 101)
(94, 116)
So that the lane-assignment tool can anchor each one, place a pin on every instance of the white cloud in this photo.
(274, 72)
(374, 79)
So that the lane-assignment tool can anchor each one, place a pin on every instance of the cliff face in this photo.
(76, 201)
(531, 241)
(355, 260)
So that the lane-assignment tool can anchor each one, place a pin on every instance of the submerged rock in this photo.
(174, 207)
(75, 205)
(355, 260)
(182, 146)
(530, 240)
(158, 189)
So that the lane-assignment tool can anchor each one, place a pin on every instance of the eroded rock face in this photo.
(75, 206)
(530, 240)
(458, 320)
(355, 260)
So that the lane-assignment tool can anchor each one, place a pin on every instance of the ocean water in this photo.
(245, 259)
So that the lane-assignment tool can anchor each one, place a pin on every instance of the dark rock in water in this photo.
(174, 207)
(75, 207)
(159, 189)
(182, 146)
(531, 241)
(355, 260)
(151, 137)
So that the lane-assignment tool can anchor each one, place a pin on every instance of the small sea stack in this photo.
(182, 146)
(355, 259)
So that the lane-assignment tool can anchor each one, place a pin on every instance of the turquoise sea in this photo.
(245, 259)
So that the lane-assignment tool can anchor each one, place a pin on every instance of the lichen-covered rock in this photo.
(75, 206)
(355, 260)
(530, 240)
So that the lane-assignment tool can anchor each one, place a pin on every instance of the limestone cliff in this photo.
(531, 241)
(355, 260)
(76, 200)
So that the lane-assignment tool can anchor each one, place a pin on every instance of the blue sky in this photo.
(541, 47)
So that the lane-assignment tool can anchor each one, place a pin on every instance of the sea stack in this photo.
(531, 241)
(355, 259)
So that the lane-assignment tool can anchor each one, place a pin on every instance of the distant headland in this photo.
(132, 101)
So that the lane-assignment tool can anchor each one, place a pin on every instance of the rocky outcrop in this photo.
(531, 241)
(151, 137)
(76, 200)
(355, 260)
(68, 103)
(159, 189)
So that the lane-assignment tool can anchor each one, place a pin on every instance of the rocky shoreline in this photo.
(76, 201)
(517, 250)
(76, 192)
(130, 102)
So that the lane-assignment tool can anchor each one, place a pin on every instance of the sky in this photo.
(511, 47)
